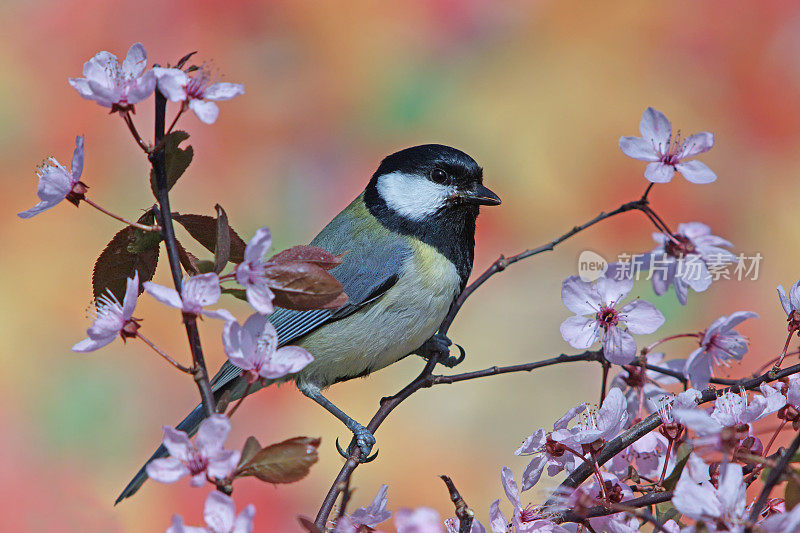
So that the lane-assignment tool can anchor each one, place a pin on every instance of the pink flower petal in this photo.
(619, 346)
(260, 298)
(696, 172)
(163, 294)
(638, 148)
(498, 521)
(510, 486)
(659, 172)
(177, 443)
(212, 434)
(131, 294)
(533, 472)
(201, 290)
(533, 443)
(287, 360)
(580, 296)
(258, 246)
(642, 317)
(697, 144)
(655, 127)
(223, 91)
(223, 463)
(90, 345)
(172, 83)
(244, 522)
(136, 61)
(97, 69)
(166, 470)
(207, 112)
(76, 169)
(219, 314)
(580, 332)
(612, 290)
(219, 512)
(142, 89)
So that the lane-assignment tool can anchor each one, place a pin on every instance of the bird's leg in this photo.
(440, 345)
(362, 437)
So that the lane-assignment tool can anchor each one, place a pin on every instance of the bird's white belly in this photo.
(389, 329)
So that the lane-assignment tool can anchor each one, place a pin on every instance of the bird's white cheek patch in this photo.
(413, 197)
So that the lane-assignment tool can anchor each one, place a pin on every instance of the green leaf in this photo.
(236, 293)
(204, 230)
(178, 159)
(130, 251)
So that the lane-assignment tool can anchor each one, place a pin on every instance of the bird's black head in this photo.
(431, 192)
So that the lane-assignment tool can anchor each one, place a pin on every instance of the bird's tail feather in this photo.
(189, 425)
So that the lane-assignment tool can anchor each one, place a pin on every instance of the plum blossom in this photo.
(684, 259)
(601, 300)
(524, 519)
(791, 304)
(603, 425)
(220, 516)
(369, 516)
(254, 348)
(112, 319)
(782, 522)
(205, 455)
(56, 184)
(617, 492)
(250, 273)
(115, 86)
(421, 520)
(196, 293)
(720, 344)
(547, 452)
(721, 508)
(665, 154)
(729, 422)
(196, 91)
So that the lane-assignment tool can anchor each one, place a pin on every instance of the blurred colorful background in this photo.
(538, 92)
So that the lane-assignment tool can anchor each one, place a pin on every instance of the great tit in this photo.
(409, 240)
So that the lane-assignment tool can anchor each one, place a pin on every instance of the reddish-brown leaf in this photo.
(131, 250)
(249, 450)
(204, 230)
(284, 462)
(301, 286)
(188, 260)
(309, 254)
(308, 525)
(222, 250)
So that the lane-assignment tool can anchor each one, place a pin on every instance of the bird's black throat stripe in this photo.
(451, 231)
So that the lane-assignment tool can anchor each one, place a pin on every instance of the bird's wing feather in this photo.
(371, 266)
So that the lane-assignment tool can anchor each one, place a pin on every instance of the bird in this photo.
(409, 241)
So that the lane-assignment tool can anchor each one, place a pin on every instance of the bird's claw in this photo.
(440, 345)
(364, 440)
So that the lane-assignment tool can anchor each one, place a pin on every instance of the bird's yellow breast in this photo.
(387, 330)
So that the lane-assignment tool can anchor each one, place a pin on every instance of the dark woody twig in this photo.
(464, 514)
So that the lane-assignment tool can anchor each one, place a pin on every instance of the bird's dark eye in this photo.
(438, 175)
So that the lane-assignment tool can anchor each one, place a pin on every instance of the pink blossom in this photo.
(56, 184)
(790, 303)
(369, 516)
(205, 455)
(601, 299)
(524, 519)
(603, 425)
(115, 86)
(220, 517)
(254, 348)
(112, 319)
(665, 154)
(683, 260)
(730, 420)
(250, 273)
(197, 90)
(196, 293)
(782, 522)
(547, 452)
(717, 506)
(793, 392)
(720, 345)
(617, 491)
(421, 520)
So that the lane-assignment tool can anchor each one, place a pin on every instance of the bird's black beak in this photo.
(481, 196)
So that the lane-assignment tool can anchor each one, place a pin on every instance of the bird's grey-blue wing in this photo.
(371, 265)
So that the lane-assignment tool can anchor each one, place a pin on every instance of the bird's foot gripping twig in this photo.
(439, 346)
(364, 440)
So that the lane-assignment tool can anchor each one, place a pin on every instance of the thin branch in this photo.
(169, 359)
(158, 159)
(126, 116)
(464, 514)
(117, 217)
(603, 510)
